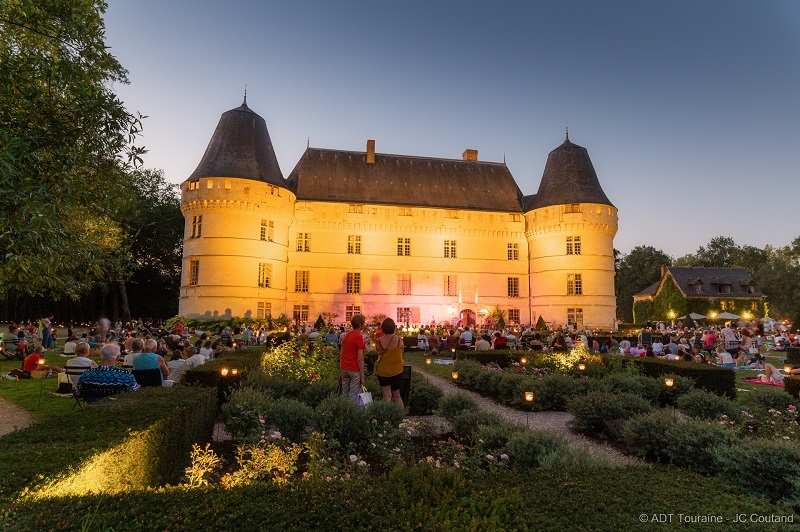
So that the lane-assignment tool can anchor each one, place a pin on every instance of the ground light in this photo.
(41, 381)
(454, 375)
(787, 369)
(523, 361)
(234, 371)
(669, 384)
(581, 367)
(224, 372)
(529, 398)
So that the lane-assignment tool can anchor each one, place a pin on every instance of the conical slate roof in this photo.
(569, 177)
(241, 147)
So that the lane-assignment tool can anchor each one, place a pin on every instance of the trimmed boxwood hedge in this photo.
(137, 440)
(209, 375)
(421, 498)
(792, 386)
(721, 381)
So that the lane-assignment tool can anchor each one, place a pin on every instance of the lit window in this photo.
(574, 284)
(303, 242)
(300, 313)
(450, 285)
(350, 311)
(264, 274)
(194, 185)
(301, 280)
(274, 191)
(753, 305)
(575, 316)
(267, 230)
(194, 272)
(449, 249)
(513, 287)
(403, 247)
(353, 283)
(513, 251)
(197, 226)
(513, 316)
(403, 315)
(515, 217)
(227, 184)
(573, 245)
(210, 183)
(572, 207)
(354, 244)
(449, 213)
(264, 310)
(723, 305)
(405, 211)
(355, 208)
(404, 284)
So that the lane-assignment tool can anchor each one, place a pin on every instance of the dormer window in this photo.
(698, 287)
(751, 288)
(725, 288)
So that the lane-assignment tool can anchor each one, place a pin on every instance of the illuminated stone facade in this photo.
(419, 239)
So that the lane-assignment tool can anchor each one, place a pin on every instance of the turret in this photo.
(238, 209)
(570, 227)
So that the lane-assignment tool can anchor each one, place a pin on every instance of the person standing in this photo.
(389, 367)
(351, 359)
(47, 338)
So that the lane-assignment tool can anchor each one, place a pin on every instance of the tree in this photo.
(153, 226)
(66, 143)
(636, 271)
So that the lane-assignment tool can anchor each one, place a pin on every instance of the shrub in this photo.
(495, 437)
(554, 391)
(468, 372)
(715, 379)
(693, 443)
(423, 398)
(595, 412)
(706, 405)
(767, 397)
(341, 419)
(645, 387)
(315, 392)
(385, 411)
(297, 361)
(792, 386)
(455, 404)
(512, 388)
(276, 385)
(466, 424)
(649, 435)
(680, 387)
(767, 468)
(528, 449)
(240, 413)
(289, 417)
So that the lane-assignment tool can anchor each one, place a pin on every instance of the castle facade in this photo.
(422, 240)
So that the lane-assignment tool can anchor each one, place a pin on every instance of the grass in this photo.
(417, 359)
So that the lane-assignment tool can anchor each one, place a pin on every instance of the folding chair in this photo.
(94, 392)
(147, 377)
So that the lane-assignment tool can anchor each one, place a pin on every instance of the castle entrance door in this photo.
(468, 317)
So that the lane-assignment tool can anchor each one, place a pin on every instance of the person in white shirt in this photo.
(658, 347)
(69, 347)
(482, 344)
(177, 367)
(467, 336)
(81, 361)
(193, 358)
(207, 351)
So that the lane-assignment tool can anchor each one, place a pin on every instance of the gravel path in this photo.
(13, 417)
(548, 421)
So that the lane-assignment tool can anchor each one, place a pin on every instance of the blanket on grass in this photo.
(759, 381)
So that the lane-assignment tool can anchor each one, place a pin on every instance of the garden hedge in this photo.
(136, 440)
(209, 374)
(792, 386)
(721, 381)
(793, 355)
(421, 498)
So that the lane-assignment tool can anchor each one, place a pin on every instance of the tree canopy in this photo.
(66, 148)
(636, 271)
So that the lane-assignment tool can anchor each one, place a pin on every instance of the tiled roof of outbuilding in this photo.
(711, 279)
(569, 177)
(345, 176)
(241, 147)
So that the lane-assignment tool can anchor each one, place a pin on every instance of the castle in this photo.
(422, 240)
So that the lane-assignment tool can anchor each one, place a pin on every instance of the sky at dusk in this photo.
(690, 109)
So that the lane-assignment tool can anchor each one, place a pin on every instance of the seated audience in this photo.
(148, 359)
(81, 361)
(106, 374)
(32, 362)
(193, 358)
(177, 366)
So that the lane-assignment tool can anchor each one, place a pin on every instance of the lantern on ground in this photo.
(523, 361)
(224, 372)
(581, 367)
(454, 375)
(234, 371)
(428, 361)
(669, 382)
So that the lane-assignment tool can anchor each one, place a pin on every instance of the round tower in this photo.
(570, 228)
(238, 209)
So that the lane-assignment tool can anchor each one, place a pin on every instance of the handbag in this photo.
(364, 398)
(64, 384)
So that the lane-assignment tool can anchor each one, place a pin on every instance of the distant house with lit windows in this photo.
(706, 291)
(421, 239)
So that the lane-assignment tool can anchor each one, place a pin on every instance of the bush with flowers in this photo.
(302, 362)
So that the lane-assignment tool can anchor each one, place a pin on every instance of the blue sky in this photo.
(689, 109)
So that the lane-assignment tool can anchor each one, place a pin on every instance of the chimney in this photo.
(470, 155)
(370, 152)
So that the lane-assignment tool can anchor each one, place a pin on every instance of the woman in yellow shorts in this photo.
(389, 367)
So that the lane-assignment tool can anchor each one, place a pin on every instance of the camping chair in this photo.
(147, 377)
(74, 373)
(94, 392)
